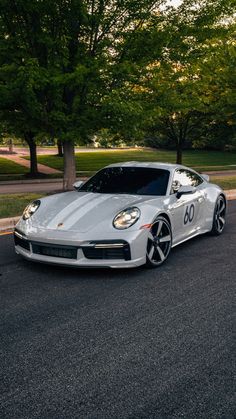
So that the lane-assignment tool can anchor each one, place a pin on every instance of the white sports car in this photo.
(126, 215)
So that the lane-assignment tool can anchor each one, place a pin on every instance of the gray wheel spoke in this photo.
(159, 228)
(218, 224)
(150, 236)
(222, 208)
(165, 239)
(161, 254)
(151, 252)
(222, 220)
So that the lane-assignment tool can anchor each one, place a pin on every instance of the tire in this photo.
(159, 243)
(218, 223)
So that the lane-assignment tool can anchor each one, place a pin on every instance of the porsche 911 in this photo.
(126, 215)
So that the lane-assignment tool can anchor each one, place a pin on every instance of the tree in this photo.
(219, 73)
(20, 108)
(175, 105)
(192, 97)
(69, 68)
(173, 85)
(80, 50)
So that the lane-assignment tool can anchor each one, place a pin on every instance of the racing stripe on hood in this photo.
(84, 204)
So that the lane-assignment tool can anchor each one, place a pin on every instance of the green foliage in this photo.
(181, 91)
(69, 69)
(58, 59)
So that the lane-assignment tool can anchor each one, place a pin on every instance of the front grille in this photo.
(67, 252)
(108, 249)
(103, 251)
(21, 242)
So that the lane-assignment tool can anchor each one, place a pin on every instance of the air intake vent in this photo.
(67, 252)
(107, 250)
(21, 242)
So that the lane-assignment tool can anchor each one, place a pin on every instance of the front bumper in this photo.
(54, 248)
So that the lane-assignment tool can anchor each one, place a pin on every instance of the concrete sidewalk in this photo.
(26, 163)
(8, 224)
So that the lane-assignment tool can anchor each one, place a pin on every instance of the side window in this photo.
(183, 177)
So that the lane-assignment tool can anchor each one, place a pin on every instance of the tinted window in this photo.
(130, 180)
(187, 178)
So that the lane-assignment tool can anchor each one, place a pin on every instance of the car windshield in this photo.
(128, 180)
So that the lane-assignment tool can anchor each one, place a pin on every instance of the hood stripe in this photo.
(67, 212)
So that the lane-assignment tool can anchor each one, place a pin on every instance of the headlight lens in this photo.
(126, 218)
(31, 209)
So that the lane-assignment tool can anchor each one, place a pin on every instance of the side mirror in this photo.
(78, 184)
(185, 190)
(205, 177)
(175, 186)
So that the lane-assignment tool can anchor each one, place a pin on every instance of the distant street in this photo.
(121, 344)
(44, 187)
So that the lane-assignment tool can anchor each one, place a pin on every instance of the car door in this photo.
(186, 211)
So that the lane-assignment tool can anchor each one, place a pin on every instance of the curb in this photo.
(33, 181)
(30, 181)
(230, 194)
(8, 224)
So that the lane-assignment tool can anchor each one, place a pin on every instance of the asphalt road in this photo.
(121, 344)
(39, 187)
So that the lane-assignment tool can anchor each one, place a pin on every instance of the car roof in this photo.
(154, 165)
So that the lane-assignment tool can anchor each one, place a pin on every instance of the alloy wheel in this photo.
(220, 212)
(159, 242)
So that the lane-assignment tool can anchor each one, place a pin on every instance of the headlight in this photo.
(126, 218)
(30, 209)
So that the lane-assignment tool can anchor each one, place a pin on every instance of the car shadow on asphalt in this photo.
(55, 272)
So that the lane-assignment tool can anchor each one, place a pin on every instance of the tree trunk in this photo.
(69, 165)
(60, 148)
(179, 148)
(179, 153)
(10, 145)
(29, 138)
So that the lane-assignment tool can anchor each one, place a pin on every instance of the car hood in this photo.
(83, 211)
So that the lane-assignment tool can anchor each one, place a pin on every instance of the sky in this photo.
(175, 2)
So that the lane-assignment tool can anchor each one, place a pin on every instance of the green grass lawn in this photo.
(9, 167)
(13, 204)
(89, 162)
(92, 161)
(225, 182)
